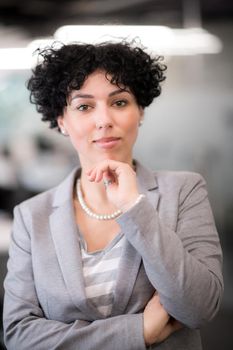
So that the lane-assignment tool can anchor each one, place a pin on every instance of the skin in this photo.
(102, 124)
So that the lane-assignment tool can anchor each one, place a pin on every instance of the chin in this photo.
(112, 156)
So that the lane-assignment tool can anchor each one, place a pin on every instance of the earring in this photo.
(140, 122)
(64, 133)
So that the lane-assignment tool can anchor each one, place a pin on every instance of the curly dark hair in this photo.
(65, 69)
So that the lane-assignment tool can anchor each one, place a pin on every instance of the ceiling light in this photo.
(159, 39)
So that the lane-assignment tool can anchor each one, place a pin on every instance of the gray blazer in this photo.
(172, 246)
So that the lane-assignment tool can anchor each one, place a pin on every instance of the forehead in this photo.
(98, 77)
(98, 84)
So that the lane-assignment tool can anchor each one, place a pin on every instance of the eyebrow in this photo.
(113, 93)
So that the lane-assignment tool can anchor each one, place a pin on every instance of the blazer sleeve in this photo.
(184, 265)
(25, 326)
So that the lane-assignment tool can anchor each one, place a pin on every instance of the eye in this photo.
(83, 107)
(120, 103)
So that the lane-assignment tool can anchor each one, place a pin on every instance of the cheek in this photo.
(78, 137)
(131, 132)
(131, 125)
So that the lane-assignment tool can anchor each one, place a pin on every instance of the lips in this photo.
(107, 142)
(107, 139)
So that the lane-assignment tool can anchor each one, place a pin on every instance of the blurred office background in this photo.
(190, 126)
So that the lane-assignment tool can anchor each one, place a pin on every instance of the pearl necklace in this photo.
(89, 212)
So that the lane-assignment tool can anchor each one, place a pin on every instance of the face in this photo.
(101, 121)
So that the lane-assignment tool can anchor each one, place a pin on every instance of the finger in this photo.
(109, 169)
(176, 325)
(103, 170)
(91, 175)
(107, 179)
(171, 327)
(101, 173)
(167, 330)
(96, 174)
(107, 183)
(110, 166)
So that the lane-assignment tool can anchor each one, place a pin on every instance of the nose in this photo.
(103, 125)
(103, 119)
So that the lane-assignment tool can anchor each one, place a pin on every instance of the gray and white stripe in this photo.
(100, 273)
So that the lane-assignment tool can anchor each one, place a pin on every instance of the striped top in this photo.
(100, 273)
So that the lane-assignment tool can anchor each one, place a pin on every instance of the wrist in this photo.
(134, 201)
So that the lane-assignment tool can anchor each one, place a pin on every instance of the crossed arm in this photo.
(26, 326)
(177, 264)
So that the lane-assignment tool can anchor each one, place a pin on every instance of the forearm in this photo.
(33, 332)
(187, 281)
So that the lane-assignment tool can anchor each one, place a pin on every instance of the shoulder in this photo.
(181, 184)
(43, 204)
(39, 205)
(164, 178)
(178, 178)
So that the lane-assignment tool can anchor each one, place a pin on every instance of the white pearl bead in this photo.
(91, 213)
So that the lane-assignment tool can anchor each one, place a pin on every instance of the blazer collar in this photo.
(146, 178)
(64, 191)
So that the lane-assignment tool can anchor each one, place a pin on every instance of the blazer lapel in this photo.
(131, 259)
(65, 236)
(127, 274)
(147, 184)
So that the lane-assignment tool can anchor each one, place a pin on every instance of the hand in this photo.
(155, 320)
(123, 191)
(171, 327)
(158, 325)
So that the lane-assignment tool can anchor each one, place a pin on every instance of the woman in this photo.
(116, 256)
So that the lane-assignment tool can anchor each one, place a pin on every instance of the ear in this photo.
(141, 111)
(60, 122)
(61, 125)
